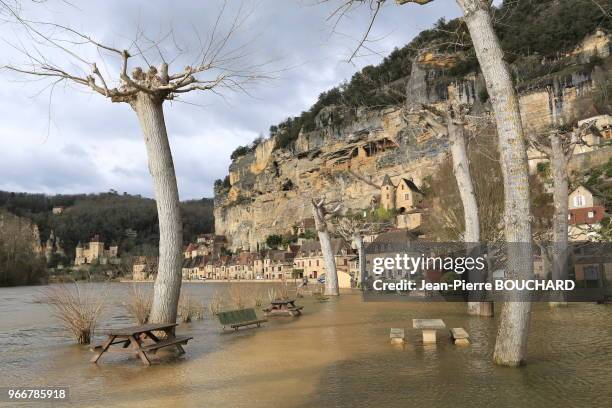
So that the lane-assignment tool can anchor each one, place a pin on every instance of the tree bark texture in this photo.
(168, 282)
(331, 274)
(561, 211)
(511, 344)
(358, 240)
(461, 169)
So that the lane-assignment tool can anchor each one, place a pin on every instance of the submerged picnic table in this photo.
(134, 340)
(429, 327)
(283, 307)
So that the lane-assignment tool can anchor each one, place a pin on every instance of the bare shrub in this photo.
(284, 289)
(238, 296)
(198, 310)
(214, 306)
(78, 308)
(272, 294)
(139, 306)
(258, 299)
(189, 310)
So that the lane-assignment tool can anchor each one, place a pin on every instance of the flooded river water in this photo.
(337, 354)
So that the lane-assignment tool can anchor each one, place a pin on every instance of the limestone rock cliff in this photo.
(350, 151)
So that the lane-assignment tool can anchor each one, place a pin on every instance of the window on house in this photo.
(579, 201)
(317, 262)
(407, 197)
(591, 214)
(569, 217)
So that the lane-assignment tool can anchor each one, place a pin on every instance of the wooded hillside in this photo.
(111, 215)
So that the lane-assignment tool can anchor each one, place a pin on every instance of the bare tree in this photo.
(452, 123)
(352, 229)
(511, 344)
(558, 146)
(217, 67)
(321, 213)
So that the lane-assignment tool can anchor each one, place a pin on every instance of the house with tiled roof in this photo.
(278, 264)
(586, 211)
(405, 198)
(309, 260)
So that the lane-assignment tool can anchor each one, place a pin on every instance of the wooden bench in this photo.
(460, 336)
(176, 341)
(239, 318)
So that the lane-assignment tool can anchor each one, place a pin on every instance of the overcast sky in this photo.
(92, 145)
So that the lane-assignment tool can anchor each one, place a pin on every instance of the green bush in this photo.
(274, 241)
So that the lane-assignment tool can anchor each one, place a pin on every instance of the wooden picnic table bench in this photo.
(239, 318)
(141, 340)
(285, 307)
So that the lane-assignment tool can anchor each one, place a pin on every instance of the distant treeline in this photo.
(111, 215)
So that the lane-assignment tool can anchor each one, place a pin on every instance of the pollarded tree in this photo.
(511, 344)
(352, 229)
(558, 146)
(452, 123)
(321, 212)
(145, 88)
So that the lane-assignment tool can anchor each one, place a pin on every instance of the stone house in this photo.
(278, 264)
(94, 252)
(307, 224)
(195, 267)
(592, 267)
(309, 258)
(212, 243)
(388, 244)
(586, 211)
(142, 268)
(242, 266)
(405, 198)
(205, 245)
(220, 268)
(190, 251)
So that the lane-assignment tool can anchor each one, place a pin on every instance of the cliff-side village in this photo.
(210, 259)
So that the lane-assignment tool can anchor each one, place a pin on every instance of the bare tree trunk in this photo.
(511, 344)
(168, 282)
(358, 240)
(560, 217)
(331, 274)
(461, 169)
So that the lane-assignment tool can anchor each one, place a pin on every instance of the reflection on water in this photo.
(337, 354)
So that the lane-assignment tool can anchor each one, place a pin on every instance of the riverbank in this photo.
(336, 354)
(311, 281)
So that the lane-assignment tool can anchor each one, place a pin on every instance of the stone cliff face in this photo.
(19, 231)
(271, 189)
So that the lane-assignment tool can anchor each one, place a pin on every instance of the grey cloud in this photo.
(295, 33)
